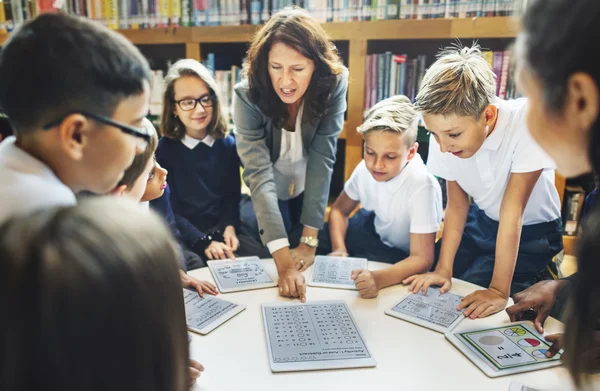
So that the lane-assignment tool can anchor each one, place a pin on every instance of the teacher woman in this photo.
(288, 113)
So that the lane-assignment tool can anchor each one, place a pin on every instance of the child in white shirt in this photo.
(401, 203)
(481, 145)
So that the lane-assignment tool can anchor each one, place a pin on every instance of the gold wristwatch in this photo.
(310, 241)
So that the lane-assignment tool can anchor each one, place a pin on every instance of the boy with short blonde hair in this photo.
(401, 203)
(481, 145)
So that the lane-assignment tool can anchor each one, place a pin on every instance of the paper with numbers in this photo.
(335, 272)
(240, 275)
(314, 335)
(204, 314)
(433, 310)
(505, 350)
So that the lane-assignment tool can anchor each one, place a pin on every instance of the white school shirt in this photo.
(27, 184)
(509, 148)
(411, 202)
(290, 168)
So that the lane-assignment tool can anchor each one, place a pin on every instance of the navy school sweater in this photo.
(204, 184)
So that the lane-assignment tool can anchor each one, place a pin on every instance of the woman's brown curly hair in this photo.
(297, 29)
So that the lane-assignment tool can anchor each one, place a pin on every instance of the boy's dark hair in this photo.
(297, 29)
(56, 64)
(91, 298)
(136, 169)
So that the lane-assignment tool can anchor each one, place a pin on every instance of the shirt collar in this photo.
(414, 164)
(11, 153)
(191, 142)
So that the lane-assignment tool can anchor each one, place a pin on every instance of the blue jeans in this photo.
(476, 255)
(250, 241)
(362, 241)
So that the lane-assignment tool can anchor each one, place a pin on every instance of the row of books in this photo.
(390, 74)
(137, 14)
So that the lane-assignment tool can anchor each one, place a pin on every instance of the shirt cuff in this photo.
(277, 244)
(308, 226)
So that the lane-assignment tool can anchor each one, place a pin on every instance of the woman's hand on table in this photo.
(292, 284)
(303, 256)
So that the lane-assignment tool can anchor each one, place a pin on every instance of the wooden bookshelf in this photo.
(493, 27)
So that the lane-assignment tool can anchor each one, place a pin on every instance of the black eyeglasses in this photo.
(188, 104)
(141, 133)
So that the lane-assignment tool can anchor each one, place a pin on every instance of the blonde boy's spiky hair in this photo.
(395, 114)
(460, 82)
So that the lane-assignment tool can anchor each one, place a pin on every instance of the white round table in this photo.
(409, 357)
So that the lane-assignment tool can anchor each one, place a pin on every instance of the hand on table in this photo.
(196, 370)
(539, 298)
(424, 281)
(218, 250)
(339, 253)
(230, 238)
(365, 283)
(200, 286)
(291, 284)
(303, 256)
(482, 303)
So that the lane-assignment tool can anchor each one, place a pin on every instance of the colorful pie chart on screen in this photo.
(528, 342)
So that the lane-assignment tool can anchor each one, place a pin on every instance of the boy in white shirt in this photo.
(481, 145)
(401, 203)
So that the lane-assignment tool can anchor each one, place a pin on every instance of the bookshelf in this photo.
(357, 34)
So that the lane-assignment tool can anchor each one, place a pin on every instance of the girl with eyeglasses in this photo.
(202, 161)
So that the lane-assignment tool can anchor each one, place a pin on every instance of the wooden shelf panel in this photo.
(493, 27)
(158, 36)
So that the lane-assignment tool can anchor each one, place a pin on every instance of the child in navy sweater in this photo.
(202, 160)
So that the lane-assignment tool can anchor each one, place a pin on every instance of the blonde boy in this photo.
(401, 202)
(481, 145)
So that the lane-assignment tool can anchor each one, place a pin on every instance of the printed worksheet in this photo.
(335, 272)
(433, 310)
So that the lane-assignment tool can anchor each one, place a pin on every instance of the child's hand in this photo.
(424, 281)
(365, 283)
(539, 297)
(196, 370)
(339, 253)
(556, 340)
(218, 250)
(480, 304)
(200, 286)
(230, 238)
